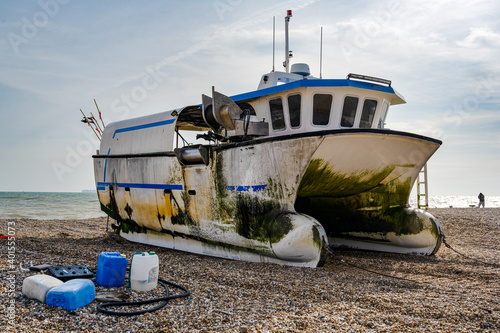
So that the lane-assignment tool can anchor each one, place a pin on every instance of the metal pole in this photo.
(426, 189)
(321, 54)
(287, 52)
(274, 38)
(418, 189)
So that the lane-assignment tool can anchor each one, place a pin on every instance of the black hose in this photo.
(163, 300)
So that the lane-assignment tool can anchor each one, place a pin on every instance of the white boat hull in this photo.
(279, 200)
(359, 194)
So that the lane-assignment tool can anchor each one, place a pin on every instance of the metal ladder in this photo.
(420, 194)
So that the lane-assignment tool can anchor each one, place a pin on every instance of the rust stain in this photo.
(168, 206)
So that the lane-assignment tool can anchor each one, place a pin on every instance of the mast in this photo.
(274, 39)
(321, 54)
(288, 54)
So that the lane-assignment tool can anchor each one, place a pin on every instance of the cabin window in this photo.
(277, 116)
(383, 114)
(294, 110)
(322, 105)
(349, 111)
(368, 113)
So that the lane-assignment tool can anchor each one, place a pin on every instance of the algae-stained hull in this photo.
(359, 193)
(235, 207)
(275, 200)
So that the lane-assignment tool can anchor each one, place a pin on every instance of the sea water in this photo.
(50, 205)
(457, 201)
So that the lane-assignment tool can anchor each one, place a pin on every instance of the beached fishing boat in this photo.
(287, 170)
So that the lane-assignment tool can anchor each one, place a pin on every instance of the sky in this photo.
(137, 58)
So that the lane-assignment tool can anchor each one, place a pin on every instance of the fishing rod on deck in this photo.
(99, 114)
(89, 122)
(96, 123)
(93, 123)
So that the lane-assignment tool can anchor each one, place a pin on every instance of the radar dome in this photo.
(301, 68)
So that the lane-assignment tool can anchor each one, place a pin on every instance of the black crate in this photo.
(65, 273)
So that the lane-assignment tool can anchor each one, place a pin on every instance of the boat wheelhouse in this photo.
(287, 170)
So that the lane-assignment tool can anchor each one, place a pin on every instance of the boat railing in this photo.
(368, 78)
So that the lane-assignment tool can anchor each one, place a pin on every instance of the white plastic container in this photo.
(37, 286)
(144, 271)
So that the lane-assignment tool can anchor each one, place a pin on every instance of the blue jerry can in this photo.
(72, 294)
(111, 269)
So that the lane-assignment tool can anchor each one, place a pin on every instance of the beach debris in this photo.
(65, 273)
(25, 269)
(111, 296)
(39, 268)
(72, 294)
(37, 286)
(144, 271)
(111, 269)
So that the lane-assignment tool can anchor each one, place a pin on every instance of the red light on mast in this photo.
(289, 12)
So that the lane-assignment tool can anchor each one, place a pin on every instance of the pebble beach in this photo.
(457, 290)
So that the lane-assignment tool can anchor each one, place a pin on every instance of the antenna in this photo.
(321, 54)
(274, 38)
(288, 54)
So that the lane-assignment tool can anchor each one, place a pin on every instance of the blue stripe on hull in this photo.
(102, 186)
(138, 127)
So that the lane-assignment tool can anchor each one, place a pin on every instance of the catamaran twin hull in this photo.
(276, 199)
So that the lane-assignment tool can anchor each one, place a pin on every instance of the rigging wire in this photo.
(465, 256)
(371, 271)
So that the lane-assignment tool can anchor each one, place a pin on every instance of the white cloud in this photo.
(438, 55)
(480, 37)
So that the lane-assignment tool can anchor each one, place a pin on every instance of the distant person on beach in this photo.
(481, 200)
